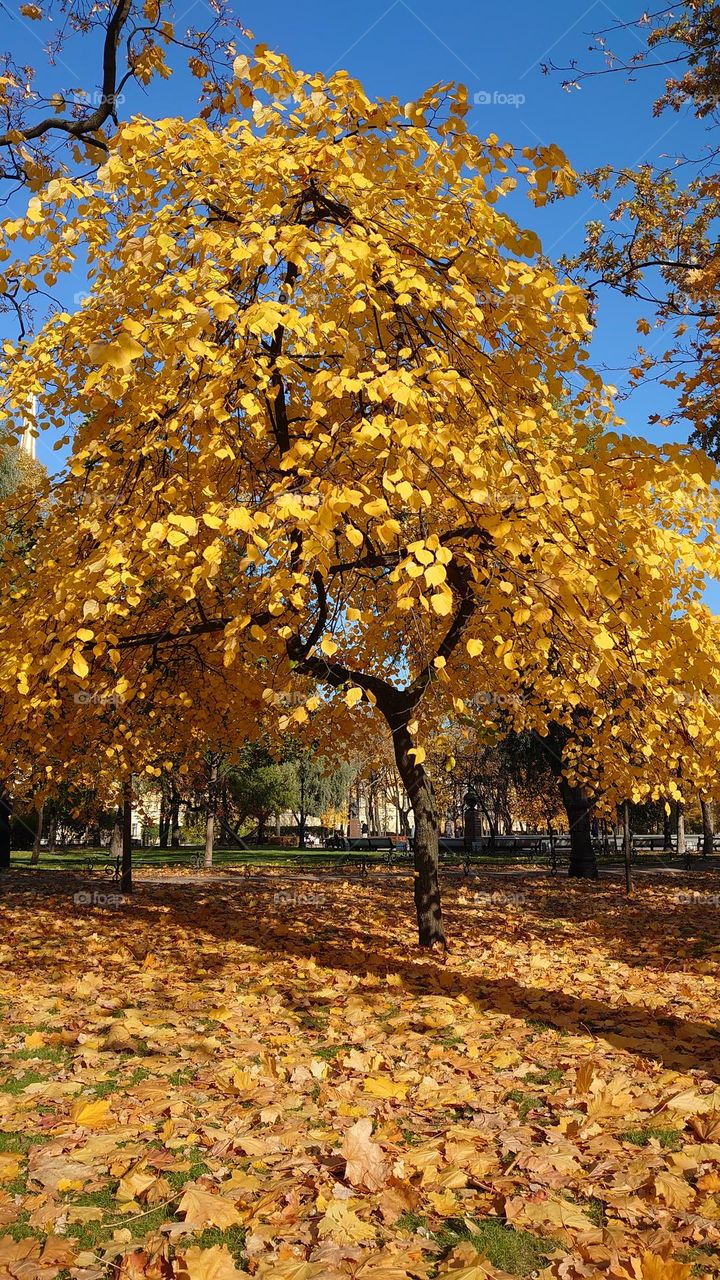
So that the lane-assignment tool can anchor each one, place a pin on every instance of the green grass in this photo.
(329, 1052)
(553, 1075)
(45, 1053)
(517, 1252)
(178, 1178)
(527, 1102)
(233, 1238)
(20, 1143)
(667, 1138)
(15, 1084)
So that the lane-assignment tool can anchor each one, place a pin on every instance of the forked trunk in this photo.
(428, 907)
(578, 807)
(708, 821)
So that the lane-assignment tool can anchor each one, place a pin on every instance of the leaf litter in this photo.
(217, 1080)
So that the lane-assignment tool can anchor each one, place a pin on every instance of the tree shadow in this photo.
(368, 939)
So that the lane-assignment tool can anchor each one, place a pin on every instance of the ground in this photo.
(261, 1074)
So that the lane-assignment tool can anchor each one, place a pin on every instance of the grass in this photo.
(153, 857)
(233, 1238)
(667, 1138)
(517, 1252)
(527, 1102)
(15, 1084)
(553, 1075)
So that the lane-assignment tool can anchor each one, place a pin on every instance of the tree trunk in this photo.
(52, 834)
(126, 875)
(578, 807)
(681, 830)
(116, 839)
(5, 830)
(627, 846)
(210, 818)
(174, 818)
(38, 836)
(163, 819)
(708, 821)
(302, 816)
(428, 906)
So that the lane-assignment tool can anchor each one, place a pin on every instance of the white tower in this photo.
(28, 441)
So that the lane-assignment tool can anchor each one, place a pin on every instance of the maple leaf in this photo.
(205, 1209)
(215, 1263)
(341, 1224)
(365, 1162)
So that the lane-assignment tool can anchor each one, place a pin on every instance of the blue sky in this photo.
(401, 46)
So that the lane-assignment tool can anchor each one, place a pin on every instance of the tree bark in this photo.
(52, 834)
(578, 807)
(174, 818)
(5, 830)
(126, 874)
(627, 846)
(116, 839)
(38, 836)
(210, 818)
(708, 821)
(163, 820)
(428, 906)
(681, 830)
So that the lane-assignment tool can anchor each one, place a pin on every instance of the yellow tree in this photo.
(318, 370)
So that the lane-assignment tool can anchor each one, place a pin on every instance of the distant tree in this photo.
(259, 786)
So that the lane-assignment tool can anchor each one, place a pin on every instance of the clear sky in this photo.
(399, 47)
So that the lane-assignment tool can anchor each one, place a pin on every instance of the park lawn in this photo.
(187, 856)
(268, 1078)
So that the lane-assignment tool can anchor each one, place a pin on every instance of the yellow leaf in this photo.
(442, 602)
(474, 647)
(328, 646)
(341, 1224)
(9, 1167)
(118, 354)
(204, 1209)
(79, 665)
(385, 1087)
(91, 1115)
(418, 753)
(655, 1267)
(215, 1263)
(353, 696)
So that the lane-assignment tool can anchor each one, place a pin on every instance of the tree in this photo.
(259, 787)
(317, 784)
(660, 242)
(325, 453)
